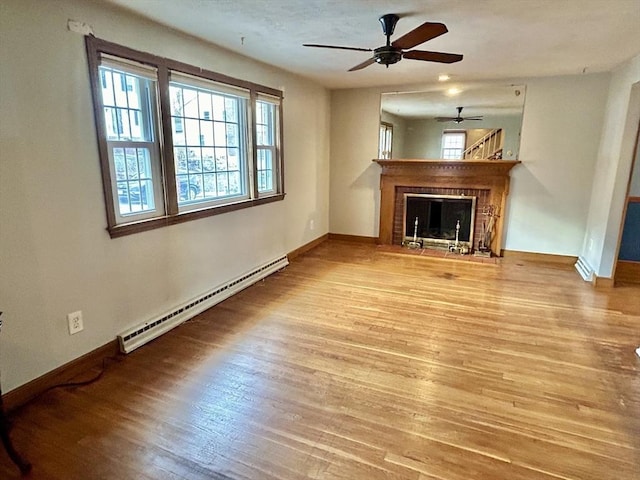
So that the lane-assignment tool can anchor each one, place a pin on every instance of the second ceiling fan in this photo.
(458, 118)
(395, 51)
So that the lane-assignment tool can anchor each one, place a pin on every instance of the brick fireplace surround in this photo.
(487, 180)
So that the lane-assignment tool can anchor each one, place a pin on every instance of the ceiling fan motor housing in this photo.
(387, 55)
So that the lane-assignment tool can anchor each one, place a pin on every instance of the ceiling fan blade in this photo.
(477, 117)
(421, 34)
(439, 57)
(357, 49)
(446, 119)
(362, 65)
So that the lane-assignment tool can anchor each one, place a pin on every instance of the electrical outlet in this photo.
(75, 322)
(312, 225)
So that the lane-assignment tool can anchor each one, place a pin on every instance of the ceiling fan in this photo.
(395, 51)
(459, 118)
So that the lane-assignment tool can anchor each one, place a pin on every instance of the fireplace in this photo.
(439, 221)
(485, 180)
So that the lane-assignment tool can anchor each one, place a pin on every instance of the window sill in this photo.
(124, 229)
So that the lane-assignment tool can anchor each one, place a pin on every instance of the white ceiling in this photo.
(498, 38)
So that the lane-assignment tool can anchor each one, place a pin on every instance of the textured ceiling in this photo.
(498, 38)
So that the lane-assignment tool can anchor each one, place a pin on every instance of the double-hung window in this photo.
(453, 144)
(177, 142)
(209, 129)
(129, 92)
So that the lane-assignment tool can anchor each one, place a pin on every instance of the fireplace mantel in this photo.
(491, 175)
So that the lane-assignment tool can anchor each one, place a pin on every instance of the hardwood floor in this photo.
(355, 363)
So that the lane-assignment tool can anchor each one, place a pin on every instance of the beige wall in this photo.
(55, 254)
(550, 190)
(355, 197)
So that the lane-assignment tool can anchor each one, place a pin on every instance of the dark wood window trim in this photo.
(95, 47)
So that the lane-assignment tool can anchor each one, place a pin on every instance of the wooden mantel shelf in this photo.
(489, 175)
(446, 167)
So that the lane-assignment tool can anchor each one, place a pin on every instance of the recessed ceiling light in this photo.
(443, 77)
(453, 91)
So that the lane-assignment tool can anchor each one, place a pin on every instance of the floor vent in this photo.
(147, 331)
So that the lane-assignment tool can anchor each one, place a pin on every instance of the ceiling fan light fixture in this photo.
(387, 55)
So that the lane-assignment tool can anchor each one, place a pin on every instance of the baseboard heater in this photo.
(153, 328)
(583, 268)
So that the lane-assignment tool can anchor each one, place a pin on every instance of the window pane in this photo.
(235, 183)
(204, 101)
(220, 133)
(208, 165)
(192, 131)
(190, 99)
(232, 136)
(209, 183)
(223, 184)
(219, 107)
(206, 133)
(189, 187)
(233, 160)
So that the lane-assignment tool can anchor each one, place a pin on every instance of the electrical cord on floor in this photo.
(84, 382)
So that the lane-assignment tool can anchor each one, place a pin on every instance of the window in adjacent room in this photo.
(386, 140)
(177, 142)
(453, 144)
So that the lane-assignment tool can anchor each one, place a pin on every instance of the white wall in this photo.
(55, 254)
(612, 171)
(550, 190)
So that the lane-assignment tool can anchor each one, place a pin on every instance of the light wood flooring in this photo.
(356, 363)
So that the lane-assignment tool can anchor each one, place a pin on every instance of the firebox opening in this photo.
(437, 218)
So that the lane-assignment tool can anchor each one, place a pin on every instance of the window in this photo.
(128, 105)
(179, 143)
(266, 134)
(386, 140)
(208, 149)
(453, 144)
